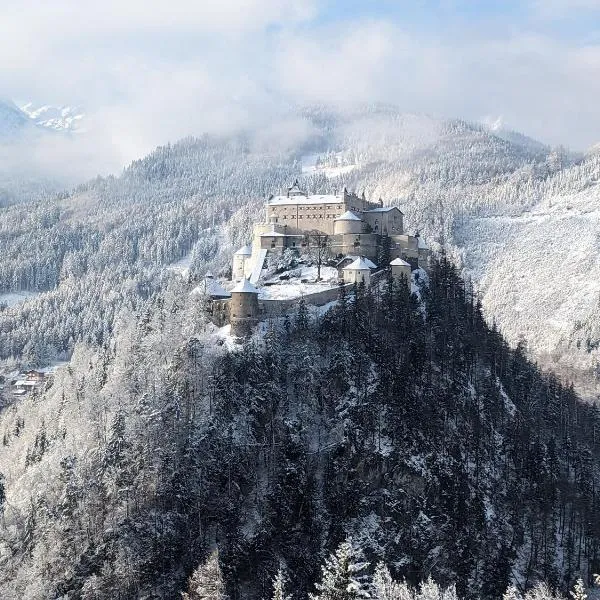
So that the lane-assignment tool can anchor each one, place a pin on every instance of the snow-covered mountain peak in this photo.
(12, 119)
(58, 118)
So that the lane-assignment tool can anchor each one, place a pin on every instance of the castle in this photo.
(348, 229)
(347, 223)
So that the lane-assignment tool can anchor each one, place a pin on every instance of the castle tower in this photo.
(243, 309)
(241, 263)
(400, 268)
(347, 223)
(357, 272)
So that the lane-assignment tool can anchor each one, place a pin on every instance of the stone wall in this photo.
(276, 308)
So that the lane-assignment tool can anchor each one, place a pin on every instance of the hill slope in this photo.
(413, 428)
(492, 198)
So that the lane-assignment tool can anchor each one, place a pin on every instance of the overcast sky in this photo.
(150, 72)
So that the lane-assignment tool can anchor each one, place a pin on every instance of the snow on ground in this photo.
(13, 298)
(309, 165)
(182, 266)
(539, 272)
(282, 289)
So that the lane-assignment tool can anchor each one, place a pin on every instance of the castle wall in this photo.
(363, 244)
(405, 246)
(305, 217)
(277, 308)
(357, 276)
(300, 214)
(388, 222)
(218, 311)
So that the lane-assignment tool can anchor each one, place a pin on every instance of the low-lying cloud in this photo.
(149, 73)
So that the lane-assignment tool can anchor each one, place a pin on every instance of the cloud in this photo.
(149, 72)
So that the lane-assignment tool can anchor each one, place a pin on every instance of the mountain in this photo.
(63, 118)
(514, 215)
(408, 425)
(13, 121)
(32, 142)
(29, 117)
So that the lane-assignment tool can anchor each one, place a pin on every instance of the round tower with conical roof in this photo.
(401, 269)
(243, 309)
(348, 223)
(240, 267)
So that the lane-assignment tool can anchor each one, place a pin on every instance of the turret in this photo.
(358, 271)
(243, 309)
(241, 263)
(347, 223)
(400, 268)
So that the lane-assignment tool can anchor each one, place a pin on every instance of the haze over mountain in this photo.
(497, 200)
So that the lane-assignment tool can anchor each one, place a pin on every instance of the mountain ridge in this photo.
(452, 178)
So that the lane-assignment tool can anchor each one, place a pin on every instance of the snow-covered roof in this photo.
(348, 216)
(26, 383)
(398, 262)
(352, 258)
(245, 286)
(384, 209)
(295, 189)
(421, 244)
(360, 264)
(244, 251)
(213, 288)
(315, 199)
(273, 234)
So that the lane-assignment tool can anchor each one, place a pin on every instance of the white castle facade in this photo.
(350, 232)
(349, 225)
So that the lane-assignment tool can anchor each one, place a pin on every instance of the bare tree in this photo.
(317, 247)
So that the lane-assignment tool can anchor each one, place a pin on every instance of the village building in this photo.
(29, 382)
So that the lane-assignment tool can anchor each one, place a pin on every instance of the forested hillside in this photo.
(496, 200)
(409, 425)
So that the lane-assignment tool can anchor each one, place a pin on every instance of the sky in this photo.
(149, 72)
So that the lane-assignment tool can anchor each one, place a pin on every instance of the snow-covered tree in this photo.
(343, 575)
(206, 583)
(385, 588)
(279, 586)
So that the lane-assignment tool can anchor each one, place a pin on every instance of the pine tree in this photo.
(341, 575)
(578, 592)
(511, 593)
(385, 588)
(279, 584)
(206, 583)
